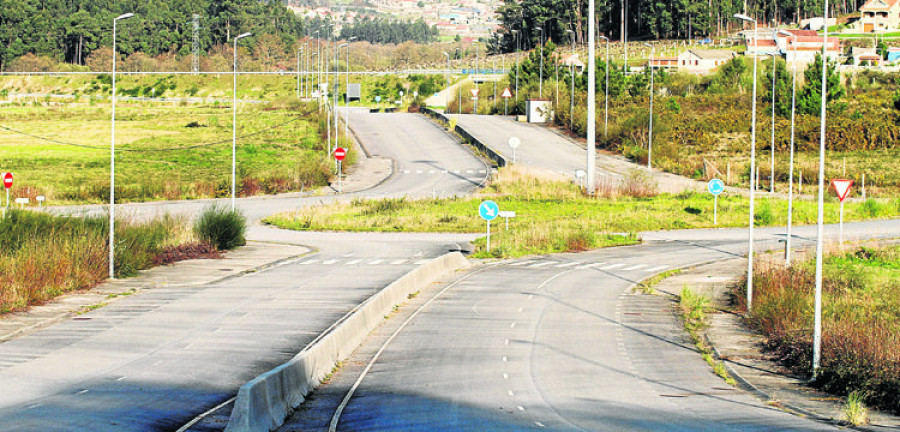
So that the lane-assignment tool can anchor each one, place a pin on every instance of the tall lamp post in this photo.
(299, 55)
(774, 66)
(448, 68)
(234, 122)
(591, 101)
(541, 74)
(347, 92)
(745, 18)
(650, 136)
(516, 32)
(474, 78)
(817, 334)
(315, 76)
(112, 160)
(459, 100)
(572, 76)
(787, 246)
(606, 107)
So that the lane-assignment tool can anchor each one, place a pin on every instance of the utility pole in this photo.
(195, 48)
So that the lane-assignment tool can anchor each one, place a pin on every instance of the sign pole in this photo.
(340, 180)
(715, 210)
(489, 236)
(841, 226)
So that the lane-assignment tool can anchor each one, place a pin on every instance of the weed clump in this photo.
(221, 227)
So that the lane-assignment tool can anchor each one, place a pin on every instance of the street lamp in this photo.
(516, 32)
(817, 334)
(459, 88)
(475, 79)
(112, 160)
(650, 139)
(606, 108)
(448, 68)
(299, 54)
(591, 101)
(347, 92)
(745, 18)
(774, 66)
(787, 246)
(541, 75)
(315, 76)
(572, 76)
(234, 122)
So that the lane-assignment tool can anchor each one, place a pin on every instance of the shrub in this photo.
(221, 227)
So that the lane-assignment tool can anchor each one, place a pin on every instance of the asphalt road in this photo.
(155, 360)
(558, 343)
(545, 149)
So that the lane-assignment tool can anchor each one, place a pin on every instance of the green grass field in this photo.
(554, 216)
(162, 152)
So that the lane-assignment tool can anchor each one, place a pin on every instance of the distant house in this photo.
(878, 16)
(573, 61)
(803, 46)
(664, 63)
(703, 60)
(865, 56)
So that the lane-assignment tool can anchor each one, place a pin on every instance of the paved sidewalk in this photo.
(254, 257)
(741, 350)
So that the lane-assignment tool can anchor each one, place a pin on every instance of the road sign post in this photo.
(842, 188)
(339, 155)
(715, 187)
(488, 210)
(514, 143)
(475, 99)
(7, 183)
(506, 95)
(506, 215)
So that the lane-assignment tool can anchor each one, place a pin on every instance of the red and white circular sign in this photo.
(340, 153)
(7, 180)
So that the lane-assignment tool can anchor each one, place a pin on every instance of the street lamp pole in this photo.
(234, 123)
(650, 137)
(112, 160)
(606, 108)
(745, 18)
(591, 101)
(474, 78)
(787, 246)
(448, 68)
(299, 55)
(774, 66)
(459, 100)
(817, 334)
(541, 74)
(517, 65)
(572, 78)
(315, 76)
(347, 93)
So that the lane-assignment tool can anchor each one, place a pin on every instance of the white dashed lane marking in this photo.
(656, 269)
(635, 267)
(541, 264)
(567, 265)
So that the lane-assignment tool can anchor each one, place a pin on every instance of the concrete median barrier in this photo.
(494, 156)
(263, 403)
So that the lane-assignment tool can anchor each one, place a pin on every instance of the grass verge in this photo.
(43, 256)
(860, 321)
(553, 215)
(693, 308)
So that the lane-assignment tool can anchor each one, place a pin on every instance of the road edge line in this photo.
(263, 403)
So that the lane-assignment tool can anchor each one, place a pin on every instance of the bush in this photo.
(221, 227)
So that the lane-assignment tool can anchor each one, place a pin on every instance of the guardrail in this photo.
(494, 156)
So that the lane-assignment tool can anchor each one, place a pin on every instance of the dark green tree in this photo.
(809, 99)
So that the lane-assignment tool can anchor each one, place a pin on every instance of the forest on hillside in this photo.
(646, 19)
(70, 30)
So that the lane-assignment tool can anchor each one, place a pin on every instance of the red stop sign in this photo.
(340, 153)
(7, 180)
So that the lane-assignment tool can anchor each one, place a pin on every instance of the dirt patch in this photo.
(195, 250)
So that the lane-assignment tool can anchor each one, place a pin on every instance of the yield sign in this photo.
(506, 93)
(842, 187)
(474, 92)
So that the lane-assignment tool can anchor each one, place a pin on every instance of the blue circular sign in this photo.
(488, 210)
(715, 186)
(377, 98)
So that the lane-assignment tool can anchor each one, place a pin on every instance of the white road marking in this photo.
(470, 172)
(157, 363)
(33, 406)
(482, 172)
(422, 261)
(520, 263)
(376, 262)
(635, 267)
(120, 378)
(530, 296)
(506, 376)
(655, 269)
(610, 267)
(354, 262)
(430, 171)
(520, 408)
(405, 171)
(511, 393)
(330, 262)
(521, 309)
(542, 264)
(567, 265)
(456, 171)
(505, 359)
(513, 325)
(82, 392)
(397, 262)
(188, 346)
(539, 424)
(348, 255)
(309, 262)
(418, 171)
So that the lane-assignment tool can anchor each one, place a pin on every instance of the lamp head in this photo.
(243, 35)
(743, 17)
(125, 16)
(604, 38)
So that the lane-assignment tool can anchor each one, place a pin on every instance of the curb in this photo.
(263, 403)
(494, 156)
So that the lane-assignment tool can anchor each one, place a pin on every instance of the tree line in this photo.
(387, 30)
(645, 19)
(70, 30)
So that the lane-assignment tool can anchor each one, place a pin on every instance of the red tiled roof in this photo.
(872, 6)
(761, 43)
(801, 33)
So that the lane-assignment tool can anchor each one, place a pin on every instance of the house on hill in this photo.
(703, 60)
(878, 16)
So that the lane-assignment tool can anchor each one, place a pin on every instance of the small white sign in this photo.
(579, 173)
(515, 142)
(22, 201)
(507, 214)
(40, 198)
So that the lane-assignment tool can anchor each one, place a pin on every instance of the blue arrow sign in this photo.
(489, 210)
(715, 186)
(377, 98)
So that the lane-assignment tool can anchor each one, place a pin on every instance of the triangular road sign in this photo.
(474, 92)
(842, 187)
(506, 93)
